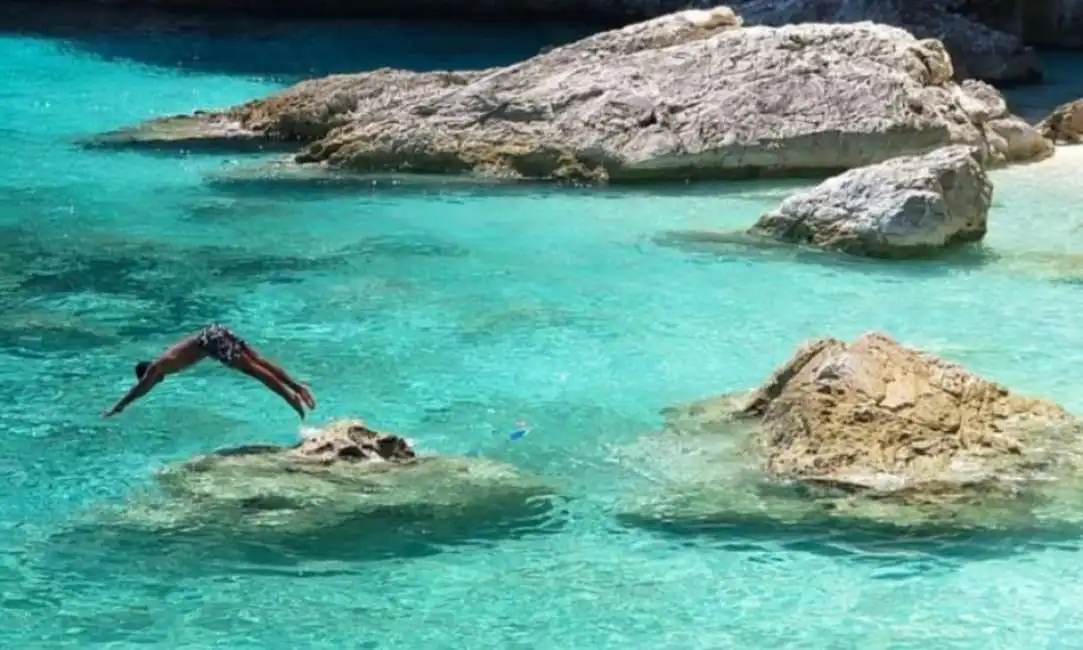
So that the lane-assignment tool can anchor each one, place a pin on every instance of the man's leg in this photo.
(281, 375)
(258, 371)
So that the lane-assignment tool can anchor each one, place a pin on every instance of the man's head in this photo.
(141, 369)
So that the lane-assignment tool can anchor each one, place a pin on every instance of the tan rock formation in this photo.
(868, 433)
(876, 415)
(1065, 123)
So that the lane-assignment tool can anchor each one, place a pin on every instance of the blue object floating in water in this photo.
(521, 430)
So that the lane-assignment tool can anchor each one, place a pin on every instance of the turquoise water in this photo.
(449, 314)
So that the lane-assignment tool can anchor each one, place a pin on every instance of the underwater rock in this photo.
(344, 472)
(877, 433)
(262, 178)
(1065, 123)
(905, 207)
(200, 131)
(687, 95)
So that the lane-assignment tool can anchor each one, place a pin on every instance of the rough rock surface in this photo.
(1012, 139)
(687, 95)
(351, 442)
(1009, 139)
(340, 473)
(874, 414)
(871, 432)
(346, 443)
(1064, 124)
(904, 207)
(300, 114)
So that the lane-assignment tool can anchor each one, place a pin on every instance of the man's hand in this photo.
(151, 377)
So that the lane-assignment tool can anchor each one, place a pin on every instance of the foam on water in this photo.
(447, 314)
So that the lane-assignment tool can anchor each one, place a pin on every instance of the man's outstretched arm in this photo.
(141, 388)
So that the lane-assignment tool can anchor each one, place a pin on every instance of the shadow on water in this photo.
(706, 247)
(381, 534)
(861, 542)
(288, 50)
(35, 337)
(264, 181)
(176, 285)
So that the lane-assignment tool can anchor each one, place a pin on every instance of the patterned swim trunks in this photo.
(219, 342)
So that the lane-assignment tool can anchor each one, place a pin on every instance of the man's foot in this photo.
(307, 396)
(295, 402)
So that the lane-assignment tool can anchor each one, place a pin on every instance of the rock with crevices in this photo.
(1008, 138)
(344, 472)
(686, 95)
(1065, 123)
(909, 206)
(869, 432)
(841, 412)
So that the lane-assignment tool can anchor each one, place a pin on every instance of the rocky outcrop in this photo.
(343, 447)
(1012, 139)
(687, 95)
(875, 415)
(905, 207)
(343, 472)
(1064, 124)
(1009, 139)
(875, 432)
(303, 113)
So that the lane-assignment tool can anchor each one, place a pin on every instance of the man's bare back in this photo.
(223, 345)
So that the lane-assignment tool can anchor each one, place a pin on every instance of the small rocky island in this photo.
(905, 207)
(689, 95)
(345, 471)
(872, 432)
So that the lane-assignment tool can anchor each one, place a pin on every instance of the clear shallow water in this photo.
(449, 314)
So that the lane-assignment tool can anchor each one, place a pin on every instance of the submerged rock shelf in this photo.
(342, 473)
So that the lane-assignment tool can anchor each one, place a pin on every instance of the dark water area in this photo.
(280, 48)
(287, 45)
(443, 10)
